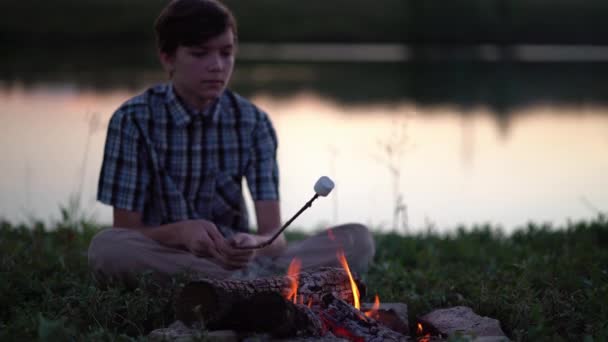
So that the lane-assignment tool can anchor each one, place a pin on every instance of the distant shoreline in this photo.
(321, 52)
(325, 52)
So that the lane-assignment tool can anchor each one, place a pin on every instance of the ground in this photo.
(541, 282)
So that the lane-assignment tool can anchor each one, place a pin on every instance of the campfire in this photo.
(299, 304)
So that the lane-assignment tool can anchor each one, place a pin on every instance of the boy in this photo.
(174, 161)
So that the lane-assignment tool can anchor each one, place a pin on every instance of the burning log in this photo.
(214, 301)
(343, 320)
(270, 313)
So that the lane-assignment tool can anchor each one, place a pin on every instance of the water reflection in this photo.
(504, 87)
(457, 165)
(539, 172)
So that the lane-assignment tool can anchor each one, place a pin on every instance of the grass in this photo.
(541, 282)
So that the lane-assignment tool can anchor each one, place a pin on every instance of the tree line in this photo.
(389, 21)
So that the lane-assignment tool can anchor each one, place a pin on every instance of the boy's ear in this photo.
(167, 60)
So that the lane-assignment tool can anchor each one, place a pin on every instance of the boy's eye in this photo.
(226, 53)
(198, 53)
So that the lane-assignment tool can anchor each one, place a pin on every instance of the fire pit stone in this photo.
(393, 315)
(461, 319)
(179, 332)
(329, 337)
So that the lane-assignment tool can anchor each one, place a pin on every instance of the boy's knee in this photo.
(364, 240)
(98, 248)
(359, 244)
(107, 254)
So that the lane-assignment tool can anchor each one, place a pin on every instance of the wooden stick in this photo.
(276, 235)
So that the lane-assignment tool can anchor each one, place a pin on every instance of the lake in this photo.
(445, 143)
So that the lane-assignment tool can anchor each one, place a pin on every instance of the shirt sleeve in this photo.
(124, 176)
(262, 172)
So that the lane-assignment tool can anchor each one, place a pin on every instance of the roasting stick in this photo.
(323, 187)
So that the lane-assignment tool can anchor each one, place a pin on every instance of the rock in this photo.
(491, 339)
(392, 315)
(463, 320)
(464, 338)
(222, 336)
(329, 337)
(400, 310)
(179, 332)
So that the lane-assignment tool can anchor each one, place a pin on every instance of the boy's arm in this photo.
(268, 214)
(262, 176)
(168, 234)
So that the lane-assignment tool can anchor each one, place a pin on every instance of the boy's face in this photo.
(201, 73)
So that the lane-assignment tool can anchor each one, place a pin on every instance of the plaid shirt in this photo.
(171, 164)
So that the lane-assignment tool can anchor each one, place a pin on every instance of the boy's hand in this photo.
(202, 238)
(243, 240)
(242, 256)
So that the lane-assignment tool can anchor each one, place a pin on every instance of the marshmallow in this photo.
(324, 186)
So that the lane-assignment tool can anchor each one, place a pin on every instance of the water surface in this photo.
(460, 144)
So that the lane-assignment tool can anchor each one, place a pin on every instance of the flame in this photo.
(420, 331)
(374, 310)
(293, 273)
(356, 295)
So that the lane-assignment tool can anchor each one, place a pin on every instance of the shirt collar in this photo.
(182, 115)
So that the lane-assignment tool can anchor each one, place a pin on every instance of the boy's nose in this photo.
(216, 63)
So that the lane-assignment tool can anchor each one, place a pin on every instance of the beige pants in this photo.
(118, 254)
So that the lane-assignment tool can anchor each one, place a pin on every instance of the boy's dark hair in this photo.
(192, 22)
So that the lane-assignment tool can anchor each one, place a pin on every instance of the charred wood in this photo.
(345, 321)
(270, 313)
